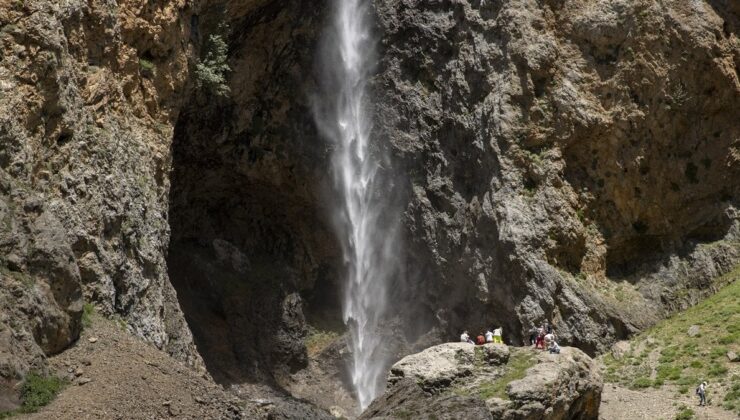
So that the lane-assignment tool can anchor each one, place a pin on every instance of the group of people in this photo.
(495, 336)
(544, 337)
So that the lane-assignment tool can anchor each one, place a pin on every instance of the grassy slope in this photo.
(666, 356)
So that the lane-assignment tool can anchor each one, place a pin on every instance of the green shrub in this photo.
(38, 391)
(210, 73)
(729, 339)
(88, 310)
(683, 389)
(684, 413)
(687, 380)
(718, 352)
(146, 66)
(670, 372)
(716, 369)
(642, 382)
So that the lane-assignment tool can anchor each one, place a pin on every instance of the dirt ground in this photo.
(618, 403)
(112, 375)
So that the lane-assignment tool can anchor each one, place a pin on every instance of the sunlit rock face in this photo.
(89, 95)
(575, 161)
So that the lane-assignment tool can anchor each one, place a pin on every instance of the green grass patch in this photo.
(683, 360)
(684, 413)
(643, 382)
(146, 65)
(731, 400)
(36, 392)
(318, 340)
(670, 372)
(88, 310)
(516, 369)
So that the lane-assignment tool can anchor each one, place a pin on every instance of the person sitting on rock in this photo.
(489, 336)
(554, 347)
(465, 338)
(549, 338)
(497, 335)
(480, 340)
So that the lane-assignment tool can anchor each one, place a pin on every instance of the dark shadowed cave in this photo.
(251, 255)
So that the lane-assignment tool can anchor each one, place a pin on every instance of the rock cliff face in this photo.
(569, 160)
(89, 91)
(459, 380)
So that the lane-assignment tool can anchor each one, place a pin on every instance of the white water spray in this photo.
(366, 223)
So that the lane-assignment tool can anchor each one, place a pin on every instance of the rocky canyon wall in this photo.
(89, 94)
(576, 161)
(569, 160)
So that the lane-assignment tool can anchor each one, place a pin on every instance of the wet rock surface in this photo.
(459, 380)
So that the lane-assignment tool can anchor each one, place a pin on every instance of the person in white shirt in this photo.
(489, 336)
(465, 338)
(549, 338)
(701, 391)
(554, 348)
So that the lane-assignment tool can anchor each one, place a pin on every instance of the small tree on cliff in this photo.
(210, 73)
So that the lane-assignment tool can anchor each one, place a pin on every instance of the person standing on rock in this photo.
(497, 335)
(533, 336)
(701, 391)
(540, 341)
(489, 336)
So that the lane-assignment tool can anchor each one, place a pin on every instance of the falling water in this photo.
(366, 224)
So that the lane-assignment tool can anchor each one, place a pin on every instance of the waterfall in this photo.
(365, 216)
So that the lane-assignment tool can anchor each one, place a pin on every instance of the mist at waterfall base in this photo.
(366, 215)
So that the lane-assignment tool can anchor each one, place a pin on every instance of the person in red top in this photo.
(540, 340)
(480, 340)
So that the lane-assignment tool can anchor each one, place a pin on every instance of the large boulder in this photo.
(459, 380)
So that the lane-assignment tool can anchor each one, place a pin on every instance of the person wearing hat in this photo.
(701, 391)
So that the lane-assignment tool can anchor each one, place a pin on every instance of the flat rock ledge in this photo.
(459, 380)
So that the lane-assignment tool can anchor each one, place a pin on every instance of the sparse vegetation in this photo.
(88, 310)
(317, 340)
(684, 413)
(210, 73)
(146, 66)
(36, 392)
(39, 391)
(671, 357)
(515, 369)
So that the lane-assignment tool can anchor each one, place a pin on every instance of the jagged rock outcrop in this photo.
(459, 380)
(89, 91)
